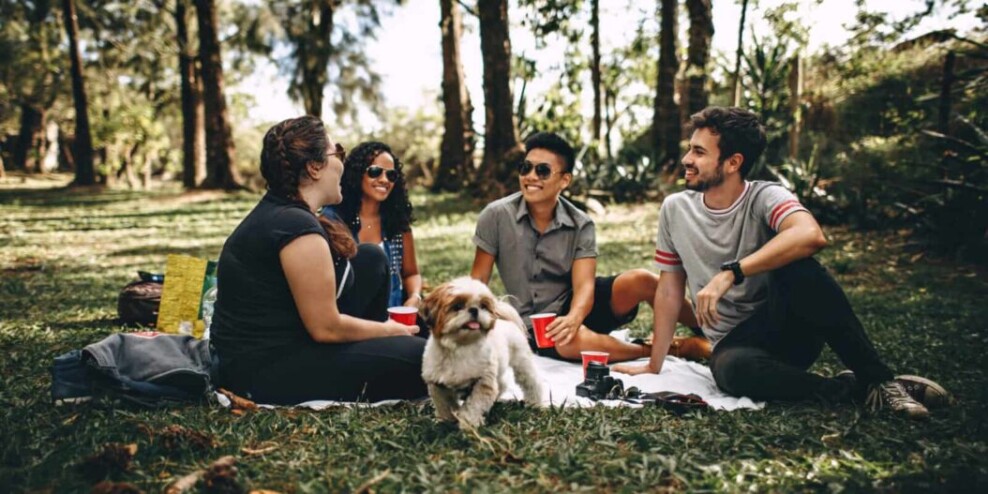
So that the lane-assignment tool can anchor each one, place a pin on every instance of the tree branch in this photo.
(470, 10)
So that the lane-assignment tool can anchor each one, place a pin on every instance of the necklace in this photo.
(365, 224)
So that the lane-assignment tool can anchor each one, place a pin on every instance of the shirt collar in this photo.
(561, 218)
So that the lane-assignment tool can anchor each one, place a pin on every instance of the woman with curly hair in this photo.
(376, 207)
(301, 312)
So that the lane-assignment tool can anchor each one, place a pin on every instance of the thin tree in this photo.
(737, 57)
(666, 127)
(193, 128)
(595, 71)
(83, 143)
(221, 172)
(32, 76)
(501, 134)
(456, 151)
(698, 54)
(309, 27)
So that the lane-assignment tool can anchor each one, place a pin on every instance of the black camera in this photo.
(599, 385)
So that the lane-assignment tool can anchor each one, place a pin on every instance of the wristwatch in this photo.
(734, 267)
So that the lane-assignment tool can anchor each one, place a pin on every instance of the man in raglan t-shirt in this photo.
(745, 249)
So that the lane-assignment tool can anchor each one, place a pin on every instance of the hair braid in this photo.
(289, 147)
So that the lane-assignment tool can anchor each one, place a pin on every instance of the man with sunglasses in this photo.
(545, 250)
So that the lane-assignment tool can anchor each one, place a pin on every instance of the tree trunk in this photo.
(795, 97)
(501, 144)
(456, 155)
(701, 32)
(943, 122)
(595, 72)
(314, 51)
(30, 140)
(666, 127)
(737, 56)
(221, 172)
(85, 173)
(610, 105)
(943, 117)
(193, 132)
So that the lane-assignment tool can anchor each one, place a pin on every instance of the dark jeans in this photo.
(369, 370)
(766, 357)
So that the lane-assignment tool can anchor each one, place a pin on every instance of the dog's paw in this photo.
(534, 401)
(445, 416)
(469, 421)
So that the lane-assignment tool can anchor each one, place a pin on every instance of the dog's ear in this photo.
(430, 306)
(425, 313)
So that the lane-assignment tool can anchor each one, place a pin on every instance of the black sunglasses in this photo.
(542, 170)
(375, 171)
(340, 151)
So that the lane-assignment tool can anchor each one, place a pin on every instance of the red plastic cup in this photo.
(404, 315)
(539, 323)
(589, 356)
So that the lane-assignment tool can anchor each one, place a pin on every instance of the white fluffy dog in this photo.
(475, 337)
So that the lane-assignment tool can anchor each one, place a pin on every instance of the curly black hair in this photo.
(396, 210)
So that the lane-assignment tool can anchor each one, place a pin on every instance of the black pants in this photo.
(766, 357)
(369, 370)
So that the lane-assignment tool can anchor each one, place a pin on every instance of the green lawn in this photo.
(64, 255)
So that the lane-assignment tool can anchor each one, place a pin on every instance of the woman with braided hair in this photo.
(301, 312)
(376, 207)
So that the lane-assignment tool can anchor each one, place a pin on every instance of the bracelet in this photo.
(415, 294)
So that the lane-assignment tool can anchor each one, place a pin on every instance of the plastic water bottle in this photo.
(208, 304)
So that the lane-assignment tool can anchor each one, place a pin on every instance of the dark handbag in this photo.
(138, 302)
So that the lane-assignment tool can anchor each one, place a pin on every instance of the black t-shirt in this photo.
(255, 315)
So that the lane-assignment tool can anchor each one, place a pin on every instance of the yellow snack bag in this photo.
(187, 278)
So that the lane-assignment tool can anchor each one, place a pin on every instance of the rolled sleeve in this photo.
(586, 241)
(486, 234)
(775, 204)
(666, 258)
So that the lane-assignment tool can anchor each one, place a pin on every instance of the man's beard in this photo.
(702, 185)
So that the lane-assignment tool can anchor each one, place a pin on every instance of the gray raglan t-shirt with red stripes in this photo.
(697, 239)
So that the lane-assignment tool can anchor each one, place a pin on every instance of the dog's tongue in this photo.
(473, 325)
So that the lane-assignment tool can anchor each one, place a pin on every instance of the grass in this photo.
(64, 255)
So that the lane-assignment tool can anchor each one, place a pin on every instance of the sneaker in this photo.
(690, 348)
(892, 396)
(926, 392)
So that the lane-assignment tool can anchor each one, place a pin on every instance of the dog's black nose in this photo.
(474, 312)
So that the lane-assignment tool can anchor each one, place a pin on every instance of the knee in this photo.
(572, 349)
(372, 256)
(800, 270)
(734, 371)
(639, 281)
(372, 253)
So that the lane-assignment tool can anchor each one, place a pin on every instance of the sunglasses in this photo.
(375, 171)
(340, 151)
(542, 170)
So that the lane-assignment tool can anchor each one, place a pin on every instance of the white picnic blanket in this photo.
(560, 380)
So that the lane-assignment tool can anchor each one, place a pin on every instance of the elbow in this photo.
(326, 335)
(819, 241)
(323, 337)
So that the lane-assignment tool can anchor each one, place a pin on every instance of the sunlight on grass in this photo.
(64, 255)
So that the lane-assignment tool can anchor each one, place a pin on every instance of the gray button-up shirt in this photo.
(536, 268)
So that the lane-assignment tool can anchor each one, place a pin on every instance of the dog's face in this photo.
(460, 312)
